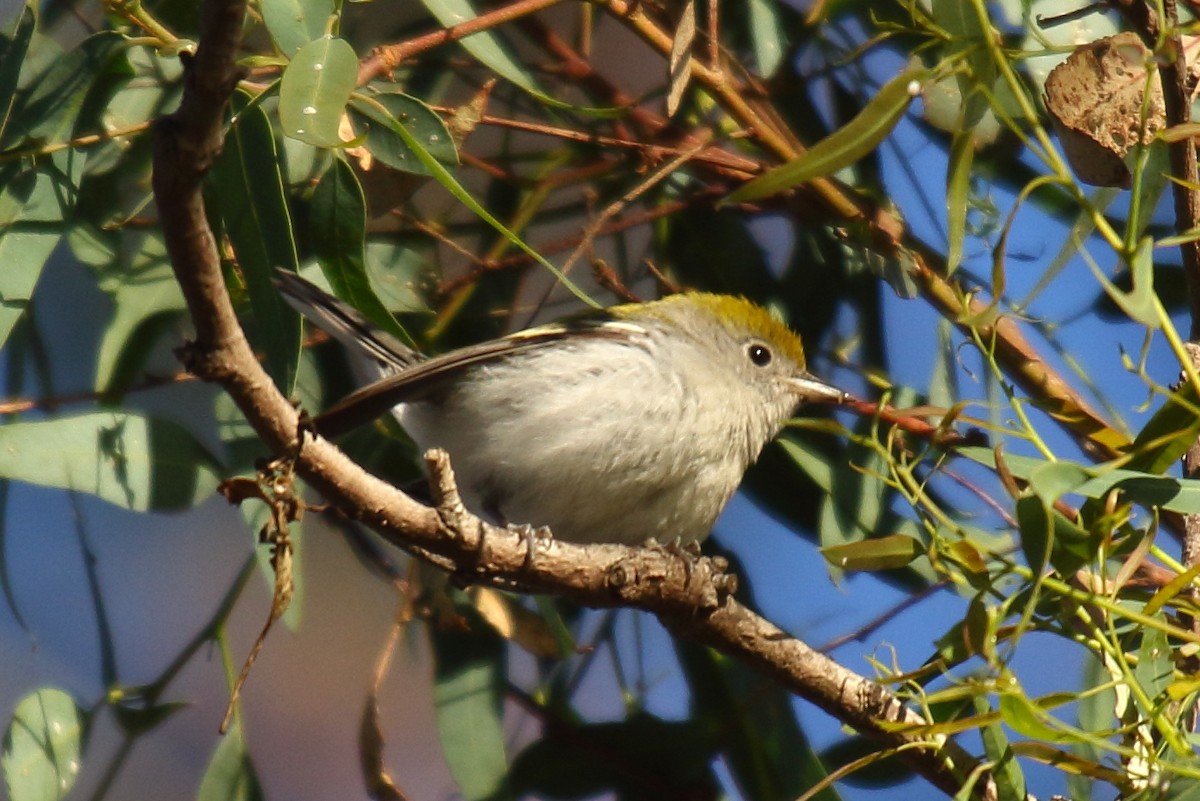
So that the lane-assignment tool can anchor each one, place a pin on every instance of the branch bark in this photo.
(1178, 104)
(693, 598)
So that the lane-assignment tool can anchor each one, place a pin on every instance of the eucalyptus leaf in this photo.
(131, 460)
(877, 553)
(469, 683)
(249, 188)
(51, 109)
(13, 47)
(1176, 494)
(145, 302)
(34, 206)
(43, 746)
(230, 775)
(315, 88)
(376, 116)
(844, 146)
(338, 227)
(294, 23)
(488, 47)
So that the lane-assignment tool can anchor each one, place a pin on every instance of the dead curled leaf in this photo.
(1095, 99)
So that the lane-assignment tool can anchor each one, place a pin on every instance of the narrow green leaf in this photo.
(1176, 494)
(230, 775)
(315, 89)
(1037, 535)
(879, 553)
(488, 47)
(1140, 303)
(294, 23)
(137, 462)
(253, 206)
(1026, 718)
(469, 687)
(399, 275)
(968, 34)
(1155, 669)
(768, 36)
(1171, 589)
(1007, 774)
(6, 574)
(443, 177)
(1168, 434)
(42, 747)
(13, 47)
(843, 147)
(338, 229)
(377, 114)
(958, 185)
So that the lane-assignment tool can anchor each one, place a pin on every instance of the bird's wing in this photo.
(343, 322)
(419, 380)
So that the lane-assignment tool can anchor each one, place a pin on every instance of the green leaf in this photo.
(294, 23)
(469, 685)
(146, 300)
(51, 109)
(1010, 780)
(13, 47)
(958, 185)
(315, 89)
(968, 34)
(42, 746)
(398, 274)
(1176, 494)
(1155, 669)
(230, 775)
(377, 114)
(1027, 718)
(1140, 303)
(768, 34)
(33, 206)
(488, 47)
(879, 553)
(1048, 538)
(443, 177)
(843, 147)
(1168, 434)
(338, 229)
(137, 462)
(1052, 480)
(249, 190)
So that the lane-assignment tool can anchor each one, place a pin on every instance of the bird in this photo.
(627, 425)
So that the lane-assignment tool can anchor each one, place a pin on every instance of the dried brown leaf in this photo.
(1095, 99)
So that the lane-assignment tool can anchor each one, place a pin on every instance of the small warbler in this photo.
(617, 426)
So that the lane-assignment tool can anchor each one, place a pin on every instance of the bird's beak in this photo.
(811, 388)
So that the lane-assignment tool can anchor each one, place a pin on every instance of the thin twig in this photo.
(386, 58)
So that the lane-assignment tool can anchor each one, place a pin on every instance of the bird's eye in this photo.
(759, 354)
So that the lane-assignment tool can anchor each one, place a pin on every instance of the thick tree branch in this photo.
(1178, 104)
(692, 597)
